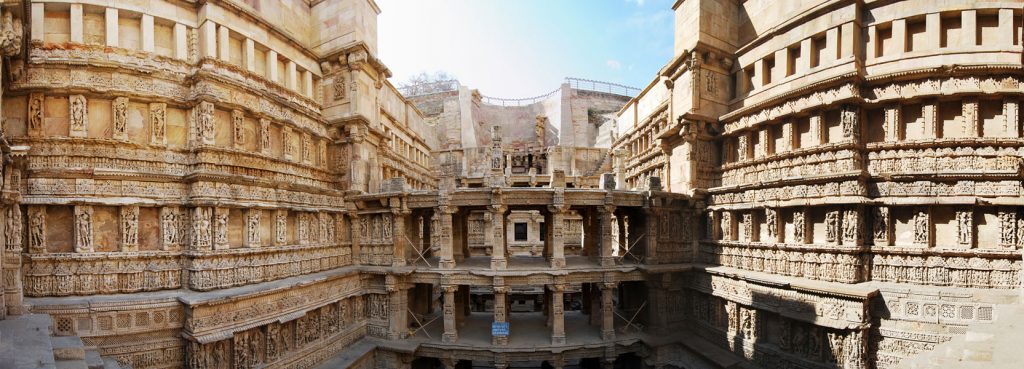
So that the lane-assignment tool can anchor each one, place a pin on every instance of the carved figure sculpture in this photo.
(79, 116)
(35, 113)
(120, 118)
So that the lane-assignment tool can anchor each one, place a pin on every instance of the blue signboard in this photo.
(499, 329)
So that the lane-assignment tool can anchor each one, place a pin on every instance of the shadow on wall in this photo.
(771, 330)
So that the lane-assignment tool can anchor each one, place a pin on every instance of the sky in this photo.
(525, 48)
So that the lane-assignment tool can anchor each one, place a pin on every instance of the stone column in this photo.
(399, 238)
(608, 311)
(500, 313)
(180, 41)
(398, 316)
(498, 260)
(451, 333)
(249, 55)
(607, 243)
(658, 310)
(557, 315)
(353, 233)
(557, 228)
(445, 236)
(77, 26)
(653, 215)
(111, 27)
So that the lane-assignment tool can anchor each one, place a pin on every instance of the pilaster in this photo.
(451, 333)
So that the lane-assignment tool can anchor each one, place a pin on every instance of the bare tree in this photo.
(428, 83)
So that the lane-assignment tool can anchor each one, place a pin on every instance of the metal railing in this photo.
(599, 86)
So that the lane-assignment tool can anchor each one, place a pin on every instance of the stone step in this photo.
(71, 364)
(26, 338)
(68, 348)
(982, 346)
(93, 359)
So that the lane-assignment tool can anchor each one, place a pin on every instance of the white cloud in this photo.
(613, 64)
(638, 2)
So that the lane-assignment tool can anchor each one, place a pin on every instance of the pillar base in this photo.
(499, 263)
(607, 335)
(499, 341)
(449, 337)
(558, 262)
(607, 261)
(557, 340)
(446, 264)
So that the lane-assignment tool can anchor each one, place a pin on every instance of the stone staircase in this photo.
(994, 345)
(27, 342)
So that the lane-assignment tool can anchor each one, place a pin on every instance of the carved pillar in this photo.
(891, 126)
(498, 260)
(400, 240)
(605, 214)
(451, 333)
(557, 229)
(129, 228)
(608, 310)
(653, 216)
(500, 312)
(37, 229)
(220, 228)
(447, 258)
(1011, 109)
(398, 302)
(354, 235)
(972, 128)
(557, 314)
